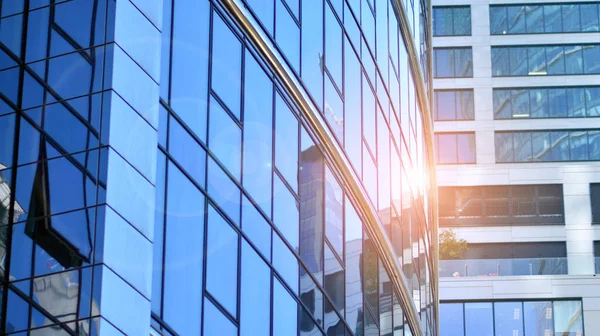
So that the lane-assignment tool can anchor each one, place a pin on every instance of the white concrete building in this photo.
(518, 156)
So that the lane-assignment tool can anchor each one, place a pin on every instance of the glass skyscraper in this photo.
(226, 167)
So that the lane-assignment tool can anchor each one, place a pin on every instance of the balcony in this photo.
(504, 267)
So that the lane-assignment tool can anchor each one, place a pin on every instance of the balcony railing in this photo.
(504, 267)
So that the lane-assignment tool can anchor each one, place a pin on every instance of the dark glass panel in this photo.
(7, 139)
(470, 202)
(496, 200)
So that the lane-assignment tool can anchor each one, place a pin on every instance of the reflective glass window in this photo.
(334, 212)
(255, 299)
(537, 60)
(537, 317)
(223, 191)
(265, 11)
(552, 19)
(451, 319)
(221, 261)
(463, 58)
(286, 142)
(285, 263)
(256, 228)
(500, 62)
(479, 320)
(592, 101)
(591, 59)
(187, 152)
(451, 21)
(520, 103)
(287, 35)
(312, 49)
(333, 46)
(568, 317)
(226, 80)
(454, 105)
(534, 18)
(555, 60)
(225, 139)
(516, 19)
(215, 323)
(573, 59)
(7, 135)
(504, 147)
(590, 17)
(285, 311)
(518, 61)
(353, 253)
(498, 20)
(285, 212)
(571, 18)
(444, 63)
(502, 106)
(508, 317)
(183, 254)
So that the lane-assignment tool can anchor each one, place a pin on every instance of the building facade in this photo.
(517, 101)
(225, 167)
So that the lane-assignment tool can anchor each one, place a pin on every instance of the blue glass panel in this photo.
(508, 318)
(504, 147)
(258, 134)
(265, 11)
(333, 281)
(579, 145)
(592, 101)
(523, 149)
(286, 143)
(541, 146)
(589, 17)
(451, 319)
(312, 50)
(444, 63)
(334, 110)
(537, 316)
(557, 99)
(255, 300)
(189, 75)
(576, 102)
(288, 35)
(442, 21)
(537, 60)
(165, 53)
(479, 320)
(285, 311)
(333, 46)
(538, 101)
(369, 115)
(334, 212)
(159, 227)
(591, 59)
(574, 59)
(152, 10)
(285, 263)
(594, 145)
(555, 60)
(10, 34)
(571, 18)
(225, 139)
(223, 191)
(226, 65)
(256, 228)
(559, 145)
(534, 17)
(353, 255)
(568, 317)
(500, 62)
(516, 19)
(37, 34)
(183, 254)
(215, 323)
(552, 19)
(7, 139)
(187, 152)
(498, 20)
(518, 61)
(463, 59)
(163, 126)
(222, 261)
(352, 114)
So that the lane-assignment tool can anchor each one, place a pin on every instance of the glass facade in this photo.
(452, 21)
(547, 145)
(198, 167)
(542, 60)
(551, 102)
(516, 317)
(544, 18)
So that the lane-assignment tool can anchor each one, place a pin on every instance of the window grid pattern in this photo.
(454, 105)
(551, 102)
(453, 62)
(546, 60)
(501, 205)
(545, 18)
(452, 21)
(547, 145)
(306, 240)
(514, 317)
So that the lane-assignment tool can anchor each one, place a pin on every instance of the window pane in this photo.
(571, 19)
(442, 21)
(573, 60)
(537, 60)
(334, 213)
(579, 145)
(221, 261)
(287, 35)
(496, 201)
(552, 19)
(589, 17)
(498, 20)
(478, 319)
(508, 318)
(559, 145)
(333, 46)
(444, 62)
(255, 300)
(215, 323)
(183, 254)
(187, 152)
(504, 147)
(226, 65)
(225, 139)
(538, 102)
(286, 143)
(516, 19)
(466, 148)
(541, 146)
(518, 61)
(538, 318)
(256, 228)
(500, 62)
(568, 318)
(576, 102)
(353, 251)
(534, 16)
(462, 21)
(451, 319)
(285, 213)
(447, 151)
(463, 62)
(285, 263)
(520, 103)
(522, 141)
(445, 105)
(223, 191)
(502, 108)
(285, 311)
(594, 144)
(469, 203)
(591, 59)
(555, 60)
(557, 99)
(465, 105)
(592, 101)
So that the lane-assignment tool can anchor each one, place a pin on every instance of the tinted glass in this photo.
(508, 318)
(255, 299)
(479, 319)
(226, 65)
(451, 319)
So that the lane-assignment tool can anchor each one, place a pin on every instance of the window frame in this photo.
(456, 134)
(453, 9)
(452, 51)
(456, 99)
